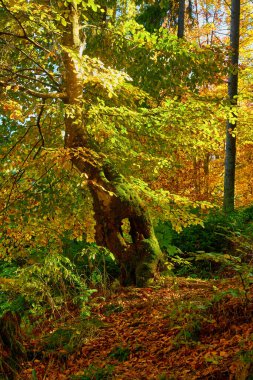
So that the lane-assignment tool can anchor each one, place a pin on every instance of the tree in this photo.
(66, 72)
(53, 67)
(181, 12)
(230, 157)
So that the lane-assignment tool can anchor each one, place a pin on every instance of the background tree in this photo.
(181, 16)
(230, 158)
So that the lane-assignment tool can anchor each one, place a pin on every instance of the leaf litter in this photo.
(180, 330)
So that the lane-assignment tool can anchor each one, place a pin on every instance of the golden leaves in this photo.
(13, 108)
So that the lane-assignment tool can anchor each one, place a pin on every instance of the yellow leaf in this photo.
(223, 354)
(63, 22)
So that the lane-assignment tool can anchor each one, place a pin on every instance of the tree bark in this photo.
(230, 150)
(113, 199)
(138, 254)
(206, 175)
(181, 15)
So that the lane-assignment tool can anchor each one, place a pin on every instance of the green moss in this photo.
(151, 256)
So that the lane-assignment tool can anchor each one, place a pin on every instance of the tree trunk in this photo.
(206, 175)
(12, 350)
(230, 153)
(196, 177)
(138, 254)
(137, 249)
(181, 15)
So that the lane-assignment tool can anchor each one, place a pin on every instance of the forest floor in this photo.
(182, 329)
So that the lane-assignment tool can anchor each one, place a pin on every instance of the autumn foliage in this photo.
(116, 257)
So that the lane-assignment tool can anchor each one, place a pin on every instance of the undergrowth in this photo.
(35, 291)
(95, 373)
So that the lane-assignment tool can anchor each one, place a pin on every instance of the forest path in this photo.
(165, 333)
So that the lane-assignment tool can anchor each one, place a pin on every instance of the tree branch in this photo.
(9, 203)
(24, 36)
(17, 142)
(36, 94)
(41, 67)
(34, 79)
(19, 175)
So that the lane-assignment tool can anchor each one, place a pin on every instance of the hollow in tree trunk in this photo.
(137, 250)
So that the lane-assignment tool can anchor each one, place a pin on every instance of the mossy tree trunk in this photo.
(135, 247)
(138, 253)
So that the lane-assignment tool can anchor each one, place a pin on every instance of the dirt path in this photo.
(164, 333)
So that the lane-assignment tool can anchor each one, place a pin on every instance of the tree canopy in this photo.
(92, 98)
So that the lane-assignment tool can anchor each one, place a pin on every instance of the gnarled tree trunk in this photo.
(137, 249)
(114, 202)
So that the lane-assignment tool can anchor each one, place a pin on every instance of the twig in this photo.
(37, 94)
(28, 189)
(24, 36)
(39, 128)
(39, 65)
(17, 142)
(19, 174)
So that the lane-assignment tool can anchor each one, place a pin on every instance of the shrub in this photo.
(96, 264)
(223, 234)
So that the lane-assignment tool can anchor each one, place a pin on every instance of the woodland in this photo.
(126, 202)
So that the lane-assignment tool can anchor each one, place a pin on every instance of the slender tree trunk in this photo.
(113, 199)
(206, 175)
(196, 179)
(197, 18)
(181, 16)
(230, 150)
